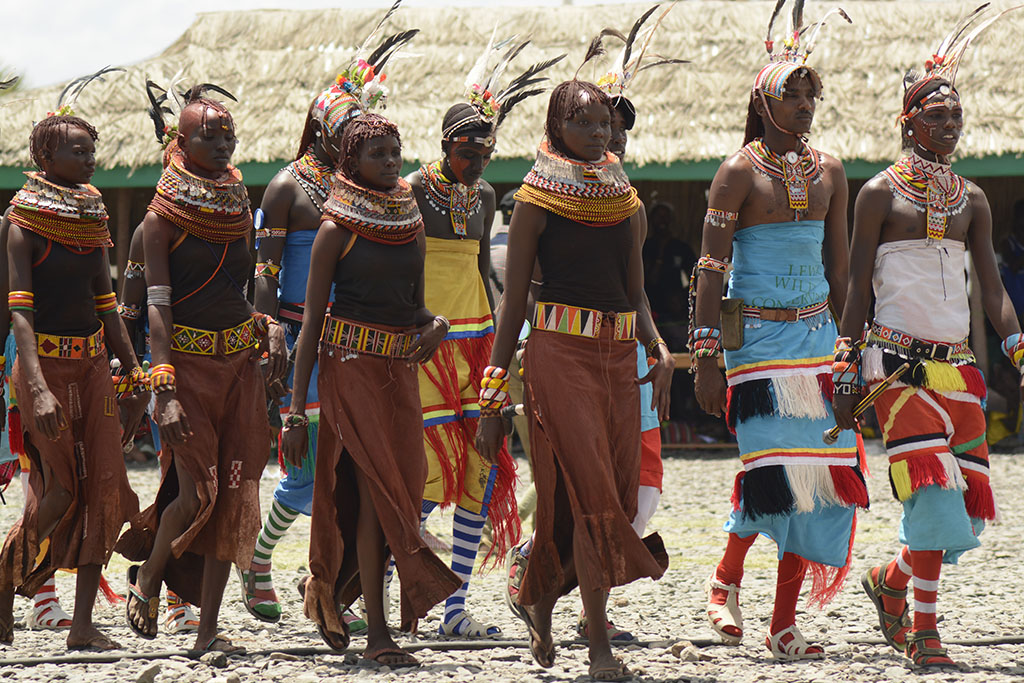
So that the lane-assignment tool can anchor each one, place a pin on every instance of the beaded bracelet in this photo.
(705, 342)
(714, 265)
(129, 312)
(718, 218)
(159, 295)
(20, 300)
(493, 388)
(1013, 348)
(105, 303)
(444, 321)
(263, 322)
(268, 269)
(161, 378)
(652, 346)
(292, 420)
(134, 269)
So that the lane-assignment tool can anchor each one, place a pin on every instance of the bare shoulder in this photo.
(415, 179)
(976, 195)
(832, 166)
(876, 188)
(486, 191)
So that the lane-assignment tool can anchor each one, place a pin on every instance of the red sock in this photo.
(787, 591)
(927, 565)
(730, 569)
(897, 576)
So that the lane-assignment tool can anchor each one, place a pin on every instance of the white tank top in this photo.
(921, 289)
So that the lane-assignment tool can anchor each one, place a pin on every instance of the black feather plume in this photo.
(157, 109)
(771, 22)
(798, 15)
(633, 32)
(663, 61)
(380, 24)
(527, 78)
(388, 47)
(73, 89)
(515, 99)
(9, 83)
(596, 48)
(197, 91)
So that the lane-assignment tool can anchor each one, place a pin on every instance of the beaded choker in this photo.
(930, 187)
(210, 210)
(313, 176)
(796, 171)
(387, 217)
(447, 197)
(595, 194)
(72, 216)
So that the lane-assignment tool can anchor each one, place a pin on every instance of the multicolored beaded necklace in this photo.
(796, 171)
(597, 194)
(931, 187)
(212, 210)
(313, 176)
(447, 197)
(386, 217)
(71, 216)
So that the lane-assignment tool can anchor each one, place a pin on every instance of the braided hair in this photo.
(359, 130)
(204, 105)
(567, 100)
(52, 132)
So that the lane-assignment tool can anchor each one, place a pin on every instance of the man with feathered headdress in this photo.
(778, 207)
(912, 225)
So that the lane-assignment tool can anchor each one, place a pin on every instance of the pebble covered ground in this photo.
(979, 599)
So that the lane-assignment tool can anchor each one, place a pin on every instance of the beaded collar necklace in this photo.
(213, 210)
(386, 217)
(71, 216)
(597, 194)
(445, 196)
(313, 176)
(796, 171)
(931, 187)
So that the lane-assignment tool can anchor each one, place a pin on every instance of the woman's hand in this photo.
(171, 419)
(842, 407)
(709, 386)
(490, 432)
(132, 410)
(430, 337)
(660, 377)
(294, 444)
(277, 353)
(48, 413)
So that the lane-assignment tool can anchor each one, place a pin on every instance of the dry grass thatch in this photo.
(275, 62)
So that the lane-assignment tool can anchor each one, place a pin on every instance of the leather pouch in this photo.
(732, 324)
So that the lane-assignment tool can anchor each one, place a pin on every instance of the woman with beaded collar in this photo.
(63, 310)
(912, 225)
(778, 207)
(458, 209)
(286, 225)
(370, 464)
(210, 407)
(577, 216)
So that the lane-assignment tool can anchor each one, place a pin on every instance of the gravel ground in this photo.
(659, 613)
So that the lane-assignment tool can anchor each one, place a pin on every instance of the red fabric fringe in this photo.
(974, 380)
(449, 441)
(503, 511)
(849, 487)
(978, 497)
(926, 470)
(737, 490)
(728, 411)
(15, 436)
(112, 596)
(862, 455)
(827, 388)
(827, 582)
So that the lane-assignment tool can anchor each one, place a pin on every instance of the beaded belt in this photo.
(905, 345)
(350, 336)
(785, 315)
(583, 322)
(212, 342)
(59, 346)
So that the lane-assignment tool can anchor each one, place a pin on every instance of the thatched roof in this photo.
(276, 60)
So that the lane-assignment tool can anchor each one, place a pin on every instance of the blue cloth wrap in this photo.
(295, 490)
(935, 518)
(298, 249)
(648, 417)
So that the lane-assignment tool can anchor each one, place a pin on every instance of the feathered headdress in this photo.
(491, 104)
(9, 83)
(629, 62)
(69, 95)
(941, 69)
(796, 48)
(166, 104)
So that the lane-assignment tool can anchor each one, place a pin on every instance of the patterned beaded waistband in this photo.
(212, 342)
(358, 338)
(583, 322)
(788, 315)
(910, 347)
(59, 346)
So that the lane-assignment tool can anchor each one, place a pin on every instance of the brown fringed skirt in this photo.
(583, 406)
(85, 461)
(370, 426)
(223, 398)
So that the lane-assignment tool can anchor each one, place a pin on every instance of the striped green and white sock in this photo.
(279, 520)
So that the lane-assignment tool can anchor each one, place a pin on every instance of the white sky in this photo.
(53, 41)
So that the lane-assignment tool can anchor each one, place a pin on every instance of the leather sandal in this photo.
(729, 614)
(890, 624)
(796, 649)
(920, 653)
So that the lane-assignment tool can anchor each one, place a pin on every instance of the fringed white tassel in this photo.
(954, 477)
(812, 487)
(871, 364)
(799, 396)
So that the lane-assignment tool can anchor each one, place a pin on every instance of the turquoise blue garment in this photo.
(298, 248)
(10, 351)
(648, 417)
(822, 536)
(779, 265)
(295, 490)
(935, 518)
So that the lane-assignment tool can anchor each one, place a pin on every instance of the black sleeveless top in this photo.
(585, 266)
(376, 283)
(199, 300)
(62, 281)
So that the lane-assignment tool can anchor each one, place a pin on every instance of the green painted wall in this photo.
(513, 170)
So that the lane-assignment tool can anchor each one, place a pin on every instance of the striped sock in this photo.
(279, 520)
(897, 576)
(466, 529)
(47, 593)
(927, 564)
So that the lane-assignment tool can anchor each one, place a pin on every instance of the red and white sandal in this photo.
(794, 649)
(729, 614)
(48, 614)
(180, 617)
